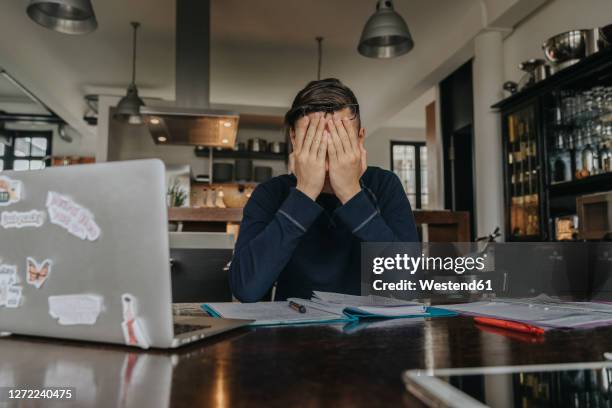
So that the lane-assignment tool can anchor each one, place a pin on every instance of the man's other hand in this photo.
(309, 154)
(346, 159)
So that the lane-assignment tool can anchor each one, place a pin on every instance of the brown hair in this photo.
(325, 95)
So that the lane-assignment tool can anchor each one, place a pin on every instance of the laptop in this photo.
(84, 254)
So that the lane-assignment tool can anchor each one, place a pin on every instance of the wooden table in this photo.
(283, 366)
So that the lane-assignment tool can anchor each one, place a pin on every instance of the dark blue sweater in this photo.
(303, 245)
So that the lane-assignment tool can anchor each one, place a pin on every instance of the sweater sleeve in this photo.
(389, 221)
(268, 237)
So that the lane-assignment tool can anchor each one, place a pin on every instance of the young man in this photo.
(304, 230)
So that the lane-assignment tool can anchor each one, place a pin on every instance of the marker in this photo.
(505, 324)
(297, 307)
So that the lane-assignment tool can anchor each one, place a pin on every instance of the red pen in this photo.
(510, 325)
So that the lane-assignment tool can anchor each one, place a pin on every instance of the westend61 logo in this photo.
(404, 262)
(401, 263)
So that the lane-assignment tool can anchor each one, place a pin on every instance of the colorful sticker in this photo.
(10, 292)
(75, 219)
(75, 309)
(20, 219)
(37, 273)
(133, 327)
(10, 191)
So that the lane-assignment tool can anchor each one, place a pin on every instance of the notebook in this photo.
(324, 307)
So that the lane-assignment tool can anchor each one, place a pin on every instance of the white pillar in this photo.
(488, 77)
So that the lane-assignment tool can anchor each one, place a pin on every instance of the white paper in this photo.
(267, 313)
(390, 311)
(10, 191)
(74, 218)
(75, 309)
(353, 300)
(372, 304)
(21, 219)
(542, 312)
(37, 273)
(134, 329)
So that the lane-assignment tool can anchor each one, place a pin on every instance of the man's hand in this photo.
(309, 155)
(346, 159)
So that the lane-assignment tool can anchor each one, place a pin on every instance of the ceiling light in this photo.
(385, 34)
(154, 121)
(224, 141)
(162, 139)
(128, 108)
(227, 124)
(64, 16)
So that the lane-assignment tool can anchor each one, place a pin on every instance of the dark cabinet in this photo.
(557, 146)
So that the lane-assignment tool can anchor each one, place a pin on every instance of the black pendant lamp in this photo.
(128, 108)
(385, 34)
(64, 16)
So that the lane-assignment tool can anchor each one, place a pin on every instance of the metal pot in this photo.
(257, 145)
(605, 36)
(244, 170)
(240, 147)
(262, 174)
(537, 70)
(570, 47)
(222, 172)
(277, 147)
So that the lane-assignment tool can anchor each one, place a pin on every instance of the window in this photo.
(25, 150)
(409, 162)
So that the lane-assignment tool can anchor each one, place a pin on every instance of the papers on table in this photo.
(353, 300)
(324, 307)
(368, 306)
(541, 311)
(275, 313)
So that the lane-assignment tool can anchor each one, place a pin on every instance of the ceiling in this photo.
(262, 52)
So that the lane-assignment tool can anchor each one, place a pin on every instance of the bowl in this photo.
(569, 46)
(605, 35)
(233, 198)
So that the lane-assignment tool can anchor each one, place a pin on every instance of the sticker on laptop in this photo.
(74, 218)
(75, 309)
(10, 292)
(133, 327)
(37, 273)
(10, 191)
(21, 219)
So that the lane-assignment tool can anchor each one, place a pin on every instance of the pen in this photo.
(297, 307)
(505, 324)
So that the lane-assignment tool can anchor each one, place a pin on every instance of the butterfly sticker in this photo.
(37, 273)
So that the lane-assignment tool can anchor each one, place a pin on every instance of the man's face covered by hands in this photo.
(339, 136)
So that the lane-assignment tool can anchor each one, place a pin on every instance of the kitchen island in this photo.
(442, 225)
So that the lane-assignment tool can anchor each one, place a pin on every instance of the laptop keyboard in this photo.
(186, 328)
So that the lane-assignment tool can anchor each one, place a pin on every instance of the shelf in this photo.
(233, 154)
(592, 184)
(599, 62)
(204, 214)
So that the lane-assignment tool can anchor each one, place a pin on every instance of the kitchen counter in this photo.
(204, 214)
(442, 225)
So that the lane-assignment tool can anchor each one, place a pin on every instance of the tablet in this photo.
(548, 385)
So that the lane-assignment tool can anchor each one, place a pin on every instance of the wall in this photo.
(555, 17)
(378, 144)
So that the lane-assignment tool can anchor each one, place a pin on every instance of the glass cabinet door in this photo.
(522, 171)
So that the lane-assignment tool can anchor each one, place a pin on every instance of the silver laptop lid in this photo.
(102, 229)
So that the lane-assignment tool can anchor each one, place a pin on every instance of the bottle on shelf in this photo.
(605, 158)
